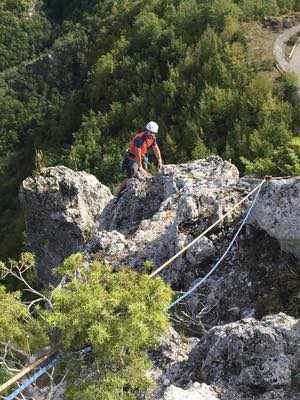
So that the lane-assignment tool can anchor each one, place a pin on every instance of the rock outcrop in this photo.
(254, 359)
(63, 209)
(173, 363)
(278, 213)
(253, 354)
(246, 360)
(238, 356)
(156, 216)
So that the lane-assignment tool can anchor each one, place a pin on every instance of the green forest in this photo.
(78, 78)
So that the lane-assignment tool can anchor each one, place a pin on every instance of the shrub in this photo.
(120, 315)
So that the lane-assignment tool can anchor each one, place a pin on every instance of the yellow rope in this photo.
(28, 369)
(184, 249)
(25, 371)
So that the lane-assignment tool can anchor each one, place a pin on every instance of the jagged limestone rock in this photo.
(196, 392)
(143, 198)
(63, 208)
(153, 219)
(278, 213)
(202, 250)
(150, 212)
(276, 371)
(252, 354)
(173, 362)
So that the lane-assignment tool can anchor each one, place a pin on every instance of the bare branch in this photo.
(20, 353)
(59, 286)
(33, 291)
(17, 272)
(4, 362)
(32, 303)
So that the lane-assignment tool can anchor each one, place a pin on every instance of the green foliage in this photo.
(259, 9)
(288, 87)
(24, 30)
(4, 376)
(113, 66)
(284, 160)
(17, 325)
(120, 315)
(13, 315)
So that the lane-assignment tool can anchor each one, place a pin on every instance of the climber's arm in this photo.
(157, 154)
(138, 157)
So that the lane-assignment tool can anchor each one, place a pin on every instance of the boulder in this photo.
(252, 354)
(154, 217)
(173, 363)
(201, 251)
(63, 208)
(278, 213)
(140, 200)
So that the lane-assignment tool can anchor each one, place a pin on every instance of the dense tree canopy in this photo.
(77, 79)
(97, 71)
(24, 30)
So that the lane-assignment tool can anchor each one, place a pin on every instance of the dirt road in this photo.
(284, 63)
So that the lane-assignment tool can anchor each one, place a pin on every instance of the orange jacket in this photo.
(143, 141)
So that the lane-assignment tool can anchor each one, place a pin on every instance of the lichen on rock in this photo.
(238, 356)
(278, 213)
(63, 208)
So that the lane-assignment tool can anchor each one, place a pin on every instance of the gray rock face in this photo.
(140, 201)
(148, 222)
(200, 251)
(278, 213)
(62, 208)
(196, 392)
(153, 215)
(173, 363)
(245, 360)
(153, 219)
(252, 354)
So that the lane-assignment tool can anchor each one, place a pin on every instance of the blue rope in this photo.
(41, 372)
(34, 377)
(223, 256)
(56, 361)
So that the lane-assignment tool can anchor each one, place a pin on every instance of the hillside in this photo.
(79, 77)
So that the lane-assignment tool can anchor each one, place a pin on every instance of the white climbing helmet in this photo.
(152, 127)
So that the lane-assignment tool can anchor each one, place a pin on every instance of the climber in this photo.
(136, 158)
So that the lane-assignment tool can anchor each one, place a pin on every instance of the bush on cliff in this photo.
(121, 315)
